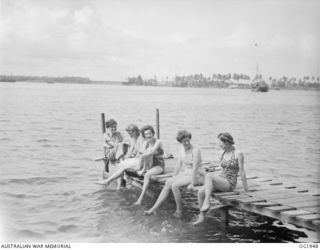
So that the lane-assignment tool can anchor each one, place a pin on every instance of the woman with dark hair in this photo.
(231, 162)
(113, 141)
(131, 159)
(152, 160)
(187, 172)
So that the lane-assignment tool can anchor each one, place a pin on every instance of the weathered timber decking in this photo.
(269, 197)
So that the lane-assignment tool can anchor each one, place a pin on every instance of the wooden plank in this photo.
(265, 180)
(276, 191)
(312, 203)
(264, 204)
(316, 222)
(279, 209)
(312, 209)
(162, 176)
(298, 199)
(294, 213)
(225, 194)
(234, 197)
(282, 196)
(309, 217)
(272, 213)
(270, 187)
(251, 200)
(251, 177)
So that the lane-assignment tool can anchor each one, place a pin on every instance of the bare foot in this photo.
(205, 207)
(177, 214)
(138, 203)
(199, 220)
(149, 212)
(103, 182)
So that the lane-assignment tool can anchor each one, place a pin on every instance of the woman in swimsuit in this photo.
(152, 160)
(131, 159)
(187, 172)
(231, 162)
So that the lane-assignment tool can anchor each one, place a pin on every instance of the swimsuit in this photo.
(230, 169)
(157, 157)
(187, 165)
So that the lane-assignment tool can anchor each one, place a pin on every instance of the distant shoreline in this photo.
(118, 83)
(213, 84)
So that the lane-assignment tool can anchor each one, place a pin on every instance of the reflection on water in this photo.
(50, 135)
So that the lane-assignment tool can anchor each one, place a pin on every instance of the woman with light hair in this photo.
(131, 159)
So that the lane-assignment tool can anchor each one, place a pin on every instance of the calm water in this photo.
(50, 134)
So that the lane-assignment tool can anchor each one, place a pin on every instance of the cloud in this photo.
(112, 39)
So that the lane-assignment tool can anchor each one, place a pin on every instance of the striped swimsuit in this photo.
(230, 169)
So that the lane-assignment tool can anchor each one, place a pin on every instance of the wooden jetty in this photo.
(268, 197)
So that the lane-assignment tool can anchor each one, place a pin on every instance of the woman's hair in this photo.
(111, 123)
(183, 134)
(134, 128)
(147, 127)
(226, 137)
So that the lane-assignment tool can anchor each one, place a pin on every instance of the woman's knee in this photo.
(123, 168)
(175, 187)
(201, 191)
(208, 177)
(215, 179)
(147, 175)
(169, 183)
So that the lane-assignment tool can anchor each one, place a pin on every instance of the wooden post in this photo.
(224, 217)
(103, 125)
(157, 124)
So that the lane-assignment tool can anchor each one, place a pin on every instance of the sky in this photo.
(113, 40)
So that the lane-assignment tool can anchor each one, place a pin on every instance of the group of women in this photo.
(146, 156)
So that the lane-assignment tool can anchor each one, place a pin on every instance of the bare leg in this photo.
(180, 182)
(201, 195)
(213, 181)
(130, 163)
(153, 171)
(208, 186)
(162, 197)
(114, 176)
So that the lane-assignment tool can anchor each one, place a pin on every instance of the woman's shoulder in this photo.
(158, 142)
(196, 149)
(238, 152)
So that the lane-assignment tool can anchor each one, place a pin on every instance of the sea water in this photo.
(50, 134)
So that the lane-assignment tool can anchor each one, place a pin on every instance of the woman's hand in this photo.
(140, 172)
(190, 186)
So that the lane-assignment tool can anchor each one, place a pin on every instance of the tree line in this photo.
(227, 80)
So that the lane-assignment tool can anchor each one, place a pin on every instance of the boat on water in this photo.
(260, 86)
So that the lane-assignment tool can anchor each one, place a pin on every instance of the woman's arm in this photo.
(130, 150)
(242, 172)
(152, 150)
(179, 164)
(195, 165)
(108, 141)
